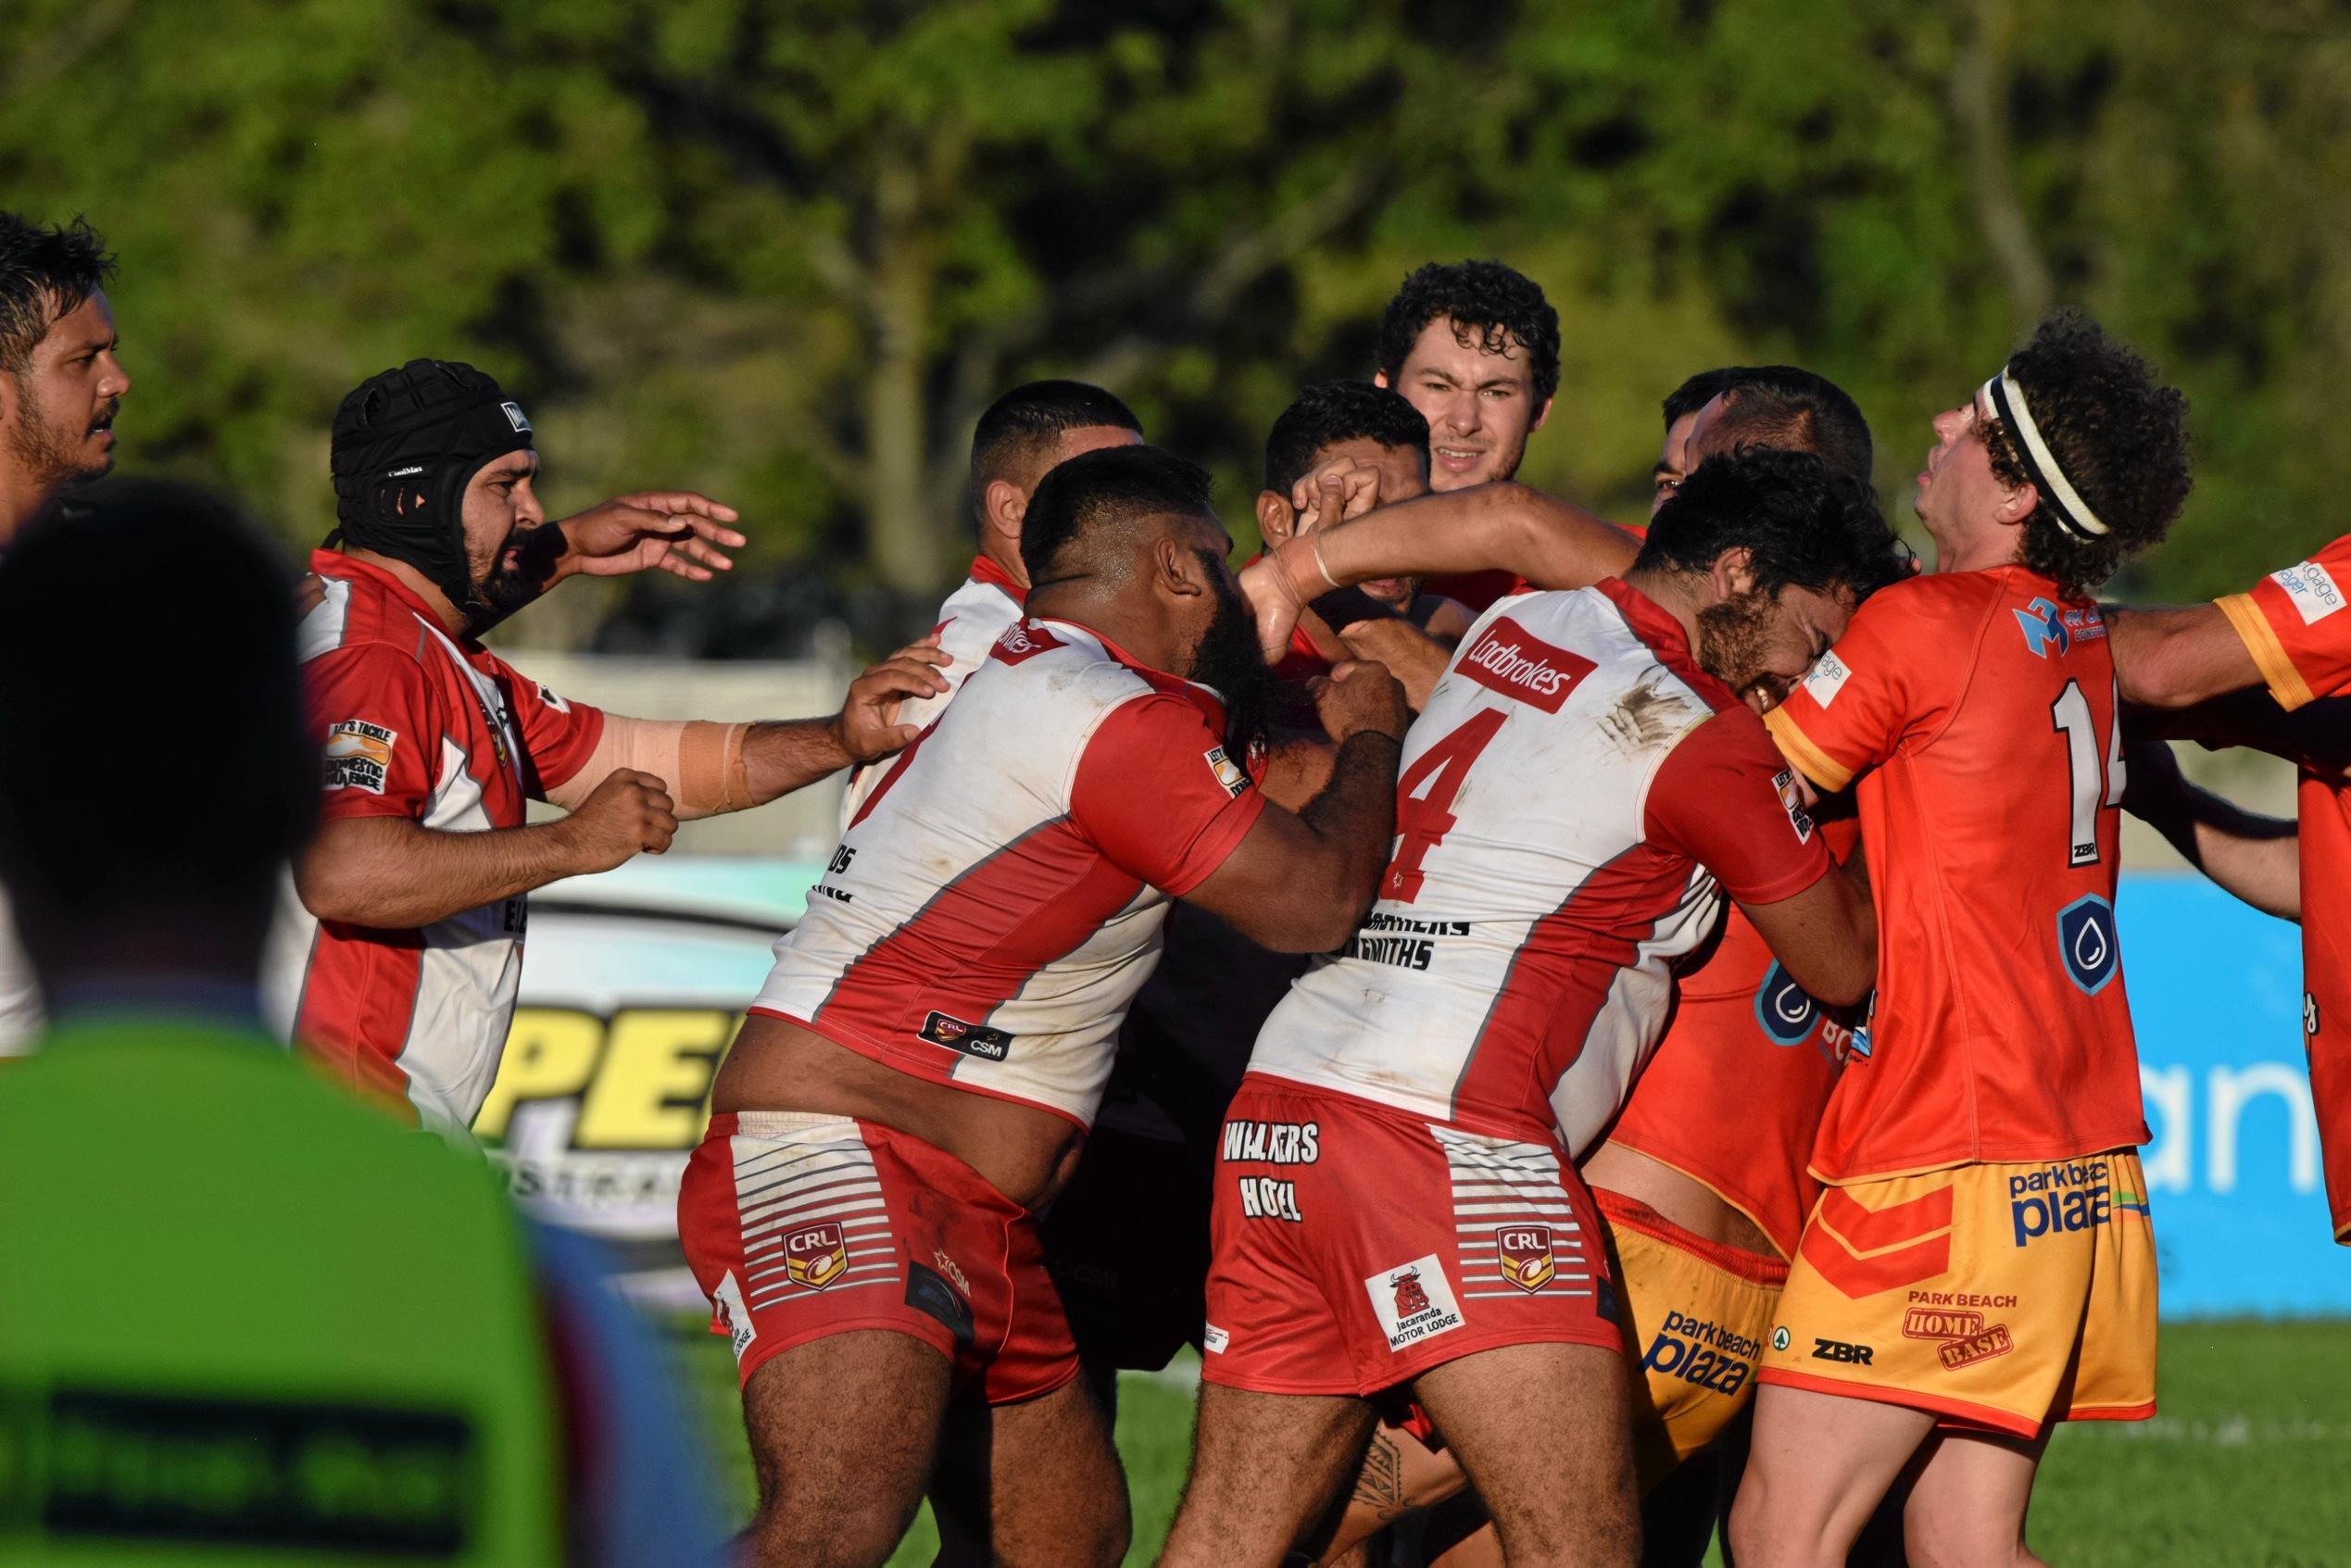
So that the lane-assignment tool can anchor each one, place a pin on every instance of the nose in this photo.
(1462, 412)
(116, 382)
(1951, 421)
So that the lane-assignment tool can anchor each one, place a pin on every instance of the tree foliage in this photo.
(786, 251)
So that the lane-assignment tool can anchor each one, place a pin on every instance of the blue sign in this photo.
(2232, 1173)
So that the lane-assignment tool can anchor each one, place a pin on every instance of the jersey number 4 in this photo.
(1425, 800)
(2090, 786)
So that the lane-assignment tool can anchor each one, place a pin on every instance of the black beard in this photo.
(1732, 638)
(43, 451)
(506, 589)
(1227, 660)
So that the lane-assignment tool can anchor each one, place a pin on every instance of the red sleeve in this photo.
(2291, 623)
(374, 719)
(556, 736)
(1889, 677)
(1725, 798)
(1159, 796)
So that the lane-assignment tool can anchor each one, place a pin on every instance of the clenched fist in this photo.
(630, 813)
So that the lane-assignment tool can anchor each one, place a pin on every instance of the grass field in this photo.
(2248, 1466)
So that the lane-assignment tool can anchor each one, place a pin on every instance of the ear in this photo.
(1176, 569)
(1276, 520)
(1379, 378)
(1541, 415)
(1733, 572)
(2018, 505)
(1001, 508)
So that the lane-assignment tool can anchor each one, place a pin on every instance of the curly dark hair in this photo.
(45, 272)
(1332, 411)
(1803, 524)
(2119, 436)
(1489, 304)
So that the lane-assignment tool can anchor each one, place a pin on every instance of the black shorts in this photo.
(1126, 1243)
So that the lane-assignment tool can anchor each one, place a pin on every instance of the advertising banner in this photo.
(635, 980)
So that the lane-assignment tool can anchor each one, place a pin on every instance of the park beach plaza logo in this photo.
(1414, 1301)
(1512, 660)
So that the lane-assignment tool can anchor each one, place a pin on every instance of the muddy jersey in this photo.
(969, 623)
(992, 912)
(1575, 800)
(414, 723)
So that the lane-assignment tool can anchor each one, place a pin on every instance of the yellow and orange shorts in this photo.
(1998, 1297)
(1695, 1316)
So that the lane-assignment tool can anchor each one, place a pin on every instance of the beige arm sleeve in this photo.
(700, 763)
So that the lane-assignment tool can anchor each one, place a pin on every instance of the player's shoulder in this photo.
(1935, 599)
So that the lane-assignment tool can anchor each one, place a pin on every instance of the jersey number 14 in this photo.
(2070, 716)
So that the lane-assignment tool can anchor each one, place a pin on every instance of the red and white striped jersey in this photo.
(1575, 800)
(997, 902)
(413, 723)
(969, 622)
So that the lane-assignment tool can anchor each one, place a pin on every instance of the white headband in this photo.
(2066, 505)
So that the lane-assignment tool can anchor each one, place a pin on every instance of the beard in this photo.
(508, 586)
(1227, 660)
(1734, 639)
(48, 450)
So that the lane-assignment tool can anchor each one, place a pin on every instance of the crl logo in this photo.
(2044, 624)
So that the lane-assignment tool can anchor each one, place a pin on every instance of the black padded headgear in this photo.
(421, 430)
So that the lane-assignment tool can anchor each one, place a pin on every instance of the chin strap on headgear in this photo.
(406, 442)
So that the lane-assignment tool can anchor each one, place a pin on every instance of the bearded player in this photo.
(919, 1073)
(1583, 791)
(1980, 1265)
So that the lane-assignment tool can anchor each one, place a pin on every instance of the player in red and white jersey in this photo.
(918, 1075)
(1980, 1265)
(1018, 440)
(1576, 799)
(398, 964)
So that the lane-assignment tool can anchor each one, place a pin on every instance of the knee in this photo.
(863, 1537)
(1113, 1532)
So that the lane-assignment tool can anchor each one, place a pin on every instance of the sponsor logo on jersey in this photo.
(1702, 1352)
(733, 1314)
(1274, 1143)
(554, 701)
(1780, 1340)
(972, 1039)
(1939, 1323)
(1267, 1198)
(2047, 625)
(933, 1296)
(2312, 589)
(1510, 660)
(1784, 1010)
(1399, 940)
(815, 1255)
(1826, 677)
(1228, 771)
(2086, 944)
(1414, 1301)
(1023, 639)
(1841, 1351)
(947, 1266)
(2071, 1195)
(1212, 1339)
(1791, 800)
(359, 756)
(1981, 1347)
(513, 412)
(1524, 1254)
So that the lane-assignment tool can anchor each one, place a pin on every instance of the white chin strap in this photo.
(2064, 503)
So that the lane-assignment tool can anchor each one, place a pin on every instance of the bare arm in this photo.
(2172, 657)
(2257, 858)
(1302, 884)
(1826, 937)
(395, 873)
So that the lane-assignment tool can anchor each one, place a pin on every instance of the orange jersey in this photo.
(2289, 622)
(1977, 709)
(1734, 1095)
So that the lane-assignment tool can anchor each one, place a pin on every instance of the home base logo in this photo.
(1993, 1341)
(815, 1255)
(1414, 1301)
(1525, 1256)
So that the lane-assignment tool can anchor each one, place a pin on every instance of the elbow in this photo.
(330, 896)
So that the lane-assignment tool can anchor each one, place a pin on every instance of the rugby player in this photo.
(57, 405)
(919, 1073)
(1021, 436)
(1397, 1207)
(399, 967)
(1981, 1265)
(1475, 346)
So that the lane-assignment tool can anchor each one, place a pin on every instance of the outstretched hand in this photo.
(678, 531)
(868, 729)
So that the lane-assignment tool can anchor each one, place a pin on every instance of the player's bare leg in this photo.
(1265, 1469)
(1967, 1507)
(1398, 1475)
(1818, 1465)
(1543, 1434)
(844, 1430)
(1033, 1484)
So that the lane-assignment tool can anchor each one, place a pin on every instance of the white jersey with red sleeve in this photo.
(969, 622)
(414, 723)
(1575, 800)
(993, 910)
